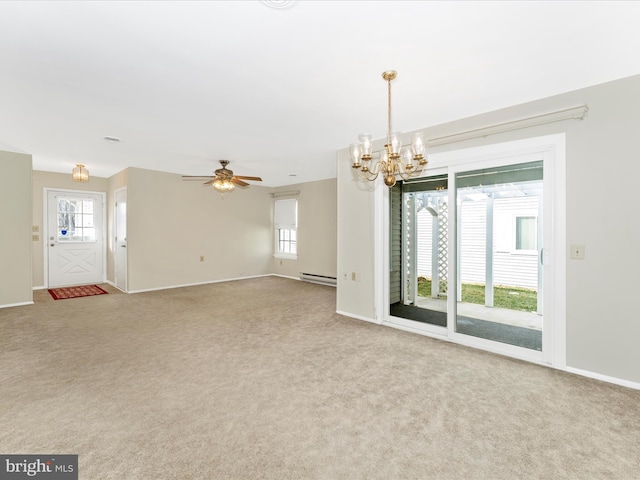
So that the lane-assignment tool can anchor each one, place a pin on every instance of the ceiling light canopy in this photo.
(393, 161)
(80, 173)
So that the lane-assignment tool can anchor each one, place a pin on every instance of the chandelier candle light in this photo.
(393, 160)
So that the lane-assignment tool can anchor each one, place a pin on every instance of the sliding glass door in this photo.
(419, 250)
(498, 248)
(469, 260)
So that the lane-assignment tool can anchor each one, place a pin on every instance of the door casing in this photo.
(48, 233)
(120, 239)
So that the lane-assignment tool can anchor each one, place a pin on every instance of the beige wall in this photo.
(62, 181)
(601, 187)
(317, 230)
(15, 229)
(171, 223)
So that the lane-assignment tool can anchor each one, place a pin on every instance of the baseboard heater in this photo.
(322, 279)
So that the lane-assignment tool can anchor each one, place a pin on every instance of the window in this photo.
(76, 220)
(526, 233)
(285, 224)
(286, 241)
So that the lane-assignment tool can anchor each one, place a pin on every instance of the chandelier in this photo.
(393, 161)
(80, 173)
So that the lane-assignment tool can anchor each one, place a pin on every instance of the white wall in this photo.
(602, 153)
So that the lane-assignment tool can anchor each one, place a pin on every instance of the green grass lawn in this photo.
(503, 297)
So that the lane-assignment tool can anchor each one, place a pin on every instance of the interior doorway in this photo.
(120, 240)
(75, 238)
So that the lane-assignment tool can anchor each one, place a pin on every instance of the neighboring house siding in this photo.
(510, 268)
(473, 219)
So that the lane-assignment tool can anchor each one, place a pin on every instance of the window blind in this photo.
(286, 214)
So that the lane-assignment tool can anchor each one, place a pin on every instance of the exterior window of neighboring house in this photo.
(285, 225)
(526, 233)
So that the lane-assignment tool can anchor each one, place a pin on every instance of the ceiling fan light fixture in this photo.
(223, 185)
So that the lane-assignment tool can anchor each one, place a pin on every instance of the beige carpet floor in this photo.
(260, 379)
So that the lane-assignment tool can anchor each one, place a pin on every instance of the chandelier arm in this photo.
(377, 168)
(370, 174)
(414, 172)
(404, 174)
(367, 175)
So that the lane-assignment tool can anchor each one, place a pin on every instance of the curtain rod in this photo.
(571, 113)
(291, 193)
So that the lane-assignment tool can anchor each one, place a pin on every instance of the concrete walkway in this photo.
(492, 314)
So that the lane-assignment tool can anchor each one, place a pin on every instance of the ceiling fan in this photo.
(224, 180)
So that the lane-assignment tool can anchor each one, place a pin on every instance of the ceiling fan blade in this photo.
(209, 182)
(255, 179)
(237, 181)
(196, 177)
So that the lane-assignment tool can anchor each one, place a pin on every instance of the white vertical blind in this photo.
(286, 214)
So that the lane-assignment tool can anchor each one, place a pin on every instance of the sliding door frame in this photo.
(551, 150)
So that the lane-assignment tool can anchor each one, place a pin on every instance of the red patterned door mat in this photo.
(75, 292)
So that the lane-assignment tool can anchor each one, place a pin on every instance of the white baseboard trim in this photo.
(109, 282)
(39, 287)
(283, 276)
(576, 371)
(9, 305)
(358, 317)
(604, 378)
(196, 284)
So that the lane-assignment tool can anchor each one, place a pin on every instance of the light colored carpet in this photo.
(260, 379)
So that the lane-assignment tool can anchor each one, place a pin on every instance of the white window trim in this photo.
(514, 222)
(288, 221)
(289, 256)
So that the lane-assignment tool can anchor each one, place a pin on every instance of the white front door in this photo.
(121, 240)
(75, 243)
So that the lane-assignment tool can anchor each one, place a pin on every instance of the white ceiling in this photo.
(278, 90)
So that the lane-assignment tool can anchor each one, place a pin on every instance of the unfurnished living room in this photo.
(279, 239)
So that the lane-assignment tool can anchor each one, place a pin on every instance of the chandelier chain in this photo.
(389, 111)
